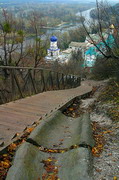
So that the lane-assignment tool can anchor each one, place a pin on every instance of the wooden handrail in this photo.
(32, 68)
(25, 81)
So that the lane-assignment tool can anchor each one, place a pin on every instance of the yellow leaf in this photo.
(5, 155)
(49, 159)
(12, 147)
(29, 130)
(70, 109)
(94, 150)
(114, 178)
(105, 132)
(5, 164)
(100, 146)
(62, 151)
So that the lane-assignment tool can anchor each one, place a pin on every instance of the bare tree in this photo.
(11, 40)
(38, 50)
(110, 50)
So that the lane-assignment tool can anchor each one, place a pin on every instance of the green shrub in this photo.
(106, 68)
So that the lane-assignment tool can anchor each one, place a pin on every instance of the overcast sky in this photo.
(10, 1)
(114, 1)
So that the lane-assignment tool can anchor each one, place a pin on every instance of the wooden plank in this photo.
(13, 118)
(28, 108)
(24, 112)
(8, 111)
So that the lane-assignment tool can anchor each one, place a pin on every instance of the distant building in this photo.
(53, 51)
(89, 51)
(54, 54)
(75, 46)
(78, 46)
(90, 57)
(92, 52)
(112, 28)
(66, 55)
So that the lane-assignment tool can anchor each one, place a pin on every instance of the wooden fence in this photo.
(19, 82)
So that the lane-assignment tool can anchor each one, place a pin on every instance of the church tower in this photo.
(112, 28)
(53, 51)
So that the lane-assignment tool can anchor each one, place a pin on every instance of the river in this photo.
(54, 30)
(86, 14)
(63, 28)
(70, 26)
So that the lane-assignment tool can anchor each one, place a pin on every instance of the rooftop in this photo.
(96, 37)
(112, 26)
(67, 51)
(77, 44)
(53, 38)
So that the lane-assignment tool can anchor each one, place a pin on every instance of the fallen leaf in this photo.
(114, 178)
(51, 169)
(29, 130)
(61, 140)
(70, 109)
(12, 147)
(105, 132)
(100, 146)
(5, 164)
(49, 159)
(94, 150)
(5, 155)
(63, 151)
(98, 170)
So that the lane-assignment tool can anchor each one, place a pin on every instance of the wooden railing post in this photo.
(63, 81)
(50, 74)
(43, 79)
(20, 81)
(58, 84)
(70, 80)
(66, 84)
(17, 83)
(79, 81)
(33, 81)
(73, 83)
(12, 83)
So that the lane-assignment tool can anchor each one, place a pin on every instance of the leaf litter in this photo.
(7, 156)
(51, 169)
(105, 130)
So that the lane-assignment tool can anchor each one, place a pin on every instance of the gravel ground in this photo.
(106, 166)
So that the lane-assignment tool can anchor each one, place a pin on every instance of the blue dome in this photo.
(53, 38)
